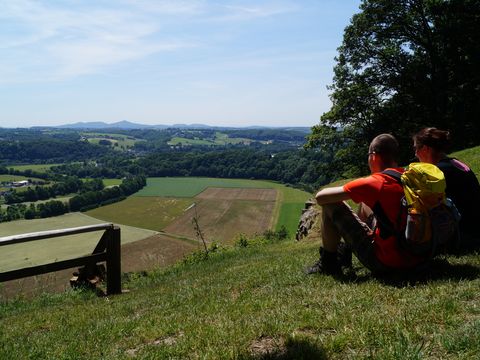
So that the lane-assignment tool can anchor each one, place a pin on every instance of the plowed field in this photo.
(224, 213)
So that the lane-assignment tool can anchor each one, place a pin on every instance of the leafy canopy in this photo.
(404, 65)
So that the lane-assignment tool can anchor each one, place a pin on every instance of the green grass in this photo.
(152, 213)
(6, 177)
(191, 186)
(185, 141)
(220, 139)
(471, 157)
(122, 140)
(242, 303)
(289, 215)
(41, 168)
(111, 182)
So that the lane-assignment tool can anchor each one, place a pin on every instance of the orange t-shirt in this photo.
(385, 190)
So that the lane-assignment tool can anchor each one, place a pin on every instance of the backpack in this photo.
(429, 219)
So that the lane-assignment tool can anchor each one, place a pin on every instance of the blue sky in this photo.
(223, 62)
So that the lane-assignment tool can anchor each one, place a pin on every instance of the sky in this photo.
(215, 62)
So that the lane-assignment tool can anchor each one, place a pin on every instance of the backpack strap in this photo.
(394, 174)
(385, 226)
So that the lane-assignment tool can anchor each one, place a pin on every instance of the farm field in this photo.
(152, 213)
(122, 141)
(41, 168)
(43, 251)
(287, 202)
(222, 219)
(224, 208)
(289, 215)
(192, 186)
(106, 182)
(111, 182)
(220, 139)
(8, 177)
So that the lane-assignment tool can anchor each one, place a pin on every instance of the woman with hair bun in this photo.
(431, 146)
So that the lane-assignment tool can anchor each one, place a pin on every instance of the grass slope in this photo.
(471, 157)
(255, 303)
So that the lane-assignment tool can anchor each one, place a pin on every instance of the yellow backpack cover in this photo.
(431, 218)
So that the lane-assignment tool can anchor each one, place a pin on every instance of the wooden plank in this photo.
(114, 271)
(15, 239)
(56, 266)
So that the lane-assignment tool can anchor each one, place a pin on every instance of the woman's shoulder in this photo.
(450, 162)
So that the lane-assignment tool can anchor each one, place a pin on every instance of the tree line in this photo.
(48, 149)
(84, 201)
(305, 169)
(68, 185)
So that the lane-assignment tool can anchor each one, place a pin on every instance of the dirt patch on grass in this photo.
(268, 346)
(220, 220)
(238, 194)
(143, 255)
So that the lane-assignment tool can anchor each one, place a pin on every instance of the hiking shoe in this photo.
(344, 255)
(327, 264)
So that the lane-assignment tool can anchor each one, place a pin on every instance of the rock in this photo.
(307, 220)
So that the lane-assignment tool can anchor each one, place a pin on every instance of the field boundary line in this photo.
(276, 209)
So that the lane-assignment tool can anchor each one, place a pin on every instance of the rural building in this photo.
(20, 183)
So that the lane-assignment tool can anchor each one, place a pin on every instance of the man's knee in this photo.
(334, 210)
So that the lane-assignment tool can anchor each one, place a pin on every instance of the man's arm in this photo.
(331, 195)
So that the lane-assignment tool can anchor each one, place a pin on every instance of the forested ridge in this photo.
(151, 156)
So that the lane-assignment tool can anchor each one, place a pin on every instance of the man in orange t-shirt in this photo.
(373, 242)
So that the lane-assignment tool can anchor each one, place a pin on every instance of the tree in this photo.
(403, 65)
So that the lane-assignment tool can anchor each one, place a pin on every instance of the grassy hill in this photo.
(250, 302)
(254, 302)
(471, 157)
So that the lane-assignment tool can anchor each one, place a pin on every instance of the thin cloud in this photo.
(68, 43)
(45, 41)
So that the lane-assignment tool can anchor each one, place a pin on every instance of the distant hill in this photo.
(102, 125)
(126, 125)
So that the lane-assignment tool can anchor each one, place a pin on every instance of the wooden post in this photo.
(114, 271)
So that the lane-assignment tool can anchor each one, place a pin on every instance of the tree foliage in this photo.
(403, 65)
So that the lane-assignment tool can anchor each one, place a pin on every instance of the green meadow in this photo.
(7, 177)
(122, 140)
(220, 139)
(152, 212)
(192, 186)
(41, 168)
